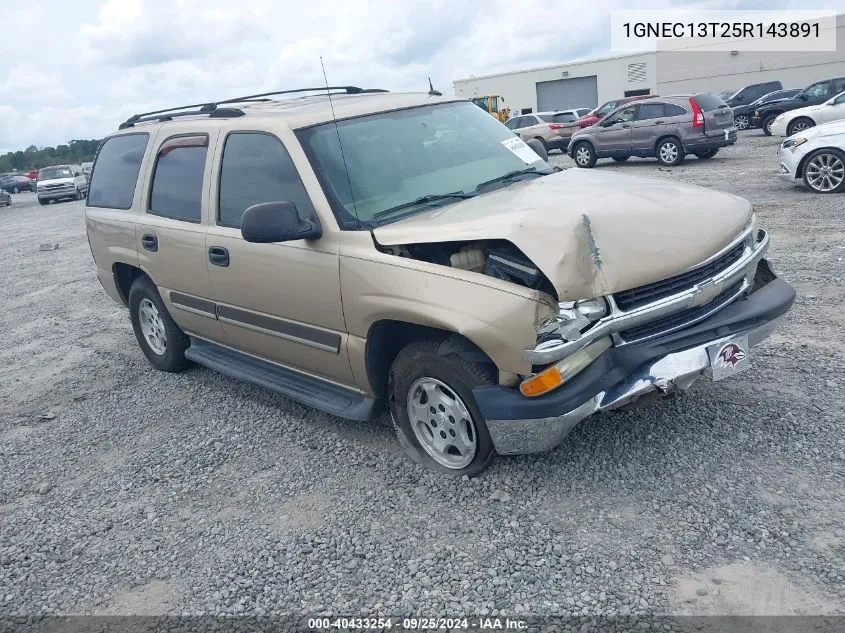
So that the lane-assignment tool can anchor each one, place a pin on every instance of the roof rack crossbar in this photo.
(208, 107)
(167, 116)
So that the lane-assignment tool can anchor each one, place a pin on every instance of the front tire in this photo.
(584, 155)
(767, 124)
(669, 152)
(824, 171)
(799, 125)
(161, 340)
(434, 412)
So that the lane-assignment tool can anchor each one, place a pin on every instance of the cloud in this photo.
(92, 63)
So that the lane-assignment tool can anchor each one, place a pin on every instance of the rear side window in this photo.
(177, 181)
(116, 171)
(256, 168)
(547, 118)
(673, 110)
(708, 102)
(564, 117)
(650, 111)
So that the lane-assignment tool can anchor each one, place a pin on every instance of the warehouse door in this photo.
(563, 94)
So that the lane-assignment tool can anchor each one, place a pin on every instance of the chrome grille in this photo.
(637, 297)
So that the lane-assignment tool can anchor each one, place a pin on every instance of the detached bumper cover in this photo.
(623, 374)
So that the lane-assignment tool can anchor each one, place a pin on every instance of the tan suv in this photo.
(407, 251)
(552, 129)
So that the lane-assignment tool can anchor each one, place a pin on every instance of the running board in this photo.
(305, 389)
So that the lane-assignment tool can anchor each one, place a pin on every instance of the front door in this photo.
(834, 111)
(280, 302)
(171, 234)
(613, 135)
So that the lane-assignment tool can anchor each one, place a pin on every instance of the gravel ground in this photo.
(124, 490)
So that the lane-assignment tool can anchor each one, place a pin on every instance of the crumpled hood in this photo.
(591, 232)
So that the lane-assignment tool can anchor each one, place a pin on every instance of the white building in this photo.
(586, 84)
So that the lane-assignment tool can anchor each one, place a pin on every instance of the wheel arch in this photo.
(387, 337)
(799, 171)
(124, 276)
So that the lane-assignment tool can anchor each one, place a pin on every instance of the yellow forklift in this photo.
(491, 104)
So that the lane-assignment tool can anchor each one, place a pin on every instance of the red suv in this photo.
(593, 117)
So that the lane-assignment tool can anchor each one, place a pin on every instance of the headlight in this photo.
(553, 377)
(757, 113)
(570, 320)
(793, 142)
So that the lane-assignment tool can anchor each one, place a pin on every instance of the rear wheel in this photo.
(15, 190)
(799, 125)
(434, 412)
(670, 152)
(621, 159)
(824, 171)
(710, 153)
(161, 340)
(584, 155)
(742, 122)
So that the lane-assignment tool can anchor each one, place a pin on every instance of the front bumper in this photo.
(789, 161)
(623, 374)
(779, 127)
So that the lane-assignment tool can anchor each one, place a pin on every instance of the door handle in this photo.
(218, 256)
(149, 242)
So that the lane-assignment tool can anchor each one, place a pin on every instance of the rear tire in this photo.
(669, 152)
(543, 141)
(161, 340)
(584, 155)
(621, 159)
(710, 153)
(742, 122)
(425, 382)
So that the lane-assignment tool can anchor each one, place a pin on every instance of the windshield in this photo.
(405, 156)
(49, 173)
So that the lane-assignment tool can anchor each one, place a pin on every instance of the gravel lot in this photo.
(128, 491)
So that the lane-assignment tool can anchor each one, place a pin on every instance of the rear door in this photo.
(171, 234)
(718, 117)
(613, 135)
(647, 127)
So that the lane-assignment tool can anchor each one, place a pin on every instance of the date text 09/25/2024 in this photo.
(417, 624)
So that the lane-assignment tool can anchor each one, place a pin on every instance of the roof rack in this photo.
(212, 110)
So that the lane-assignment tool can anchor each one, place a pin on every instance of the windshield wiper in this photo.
(432, 197)
(510, 175)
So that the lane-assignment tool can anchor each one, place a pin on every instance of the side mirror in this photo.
(538, 148)
(802, 96)
(278, 222)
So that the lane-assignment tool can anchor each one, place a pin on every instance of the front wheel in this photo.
(799, 125)
(15, 190)
(434, 412)
(767, 124)
(824, 171)
(584, 155)
(670, 152)
(161, 340)
(710, 153)
(742, 122)
(77, 195)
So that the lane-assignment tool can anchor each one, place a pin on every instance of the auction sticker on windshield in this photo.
(521, 150)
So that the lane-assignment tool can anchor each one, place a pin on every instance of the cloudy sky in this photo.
(76, 68)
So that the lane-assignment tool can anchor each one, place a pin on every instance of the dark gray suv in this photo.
(667, 128)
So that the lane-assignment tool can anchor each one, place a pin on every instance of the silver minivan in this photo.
(666, 128)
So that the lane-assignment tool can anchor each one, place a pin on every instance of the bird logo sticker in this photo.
(730, 355)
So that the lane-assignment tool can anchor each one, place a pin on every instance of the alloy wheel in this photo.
(442, 423)
(825, 172)
(669, 152)
(741, 122)
(582, 155)
(152, 327)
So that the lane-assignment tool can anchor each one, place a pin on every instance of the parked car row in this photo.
(15, 183)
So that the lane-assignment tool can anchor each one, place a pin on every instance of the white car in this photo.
(815, 157)
(795, 121)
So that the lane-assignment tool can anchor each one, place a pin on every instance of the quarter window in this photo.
(116, 171)
(178, 178)
(671, 109)
(256, 168)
